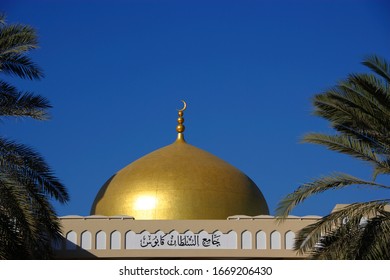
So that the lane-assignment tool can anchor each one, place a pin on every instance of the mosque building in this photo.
(179, 202)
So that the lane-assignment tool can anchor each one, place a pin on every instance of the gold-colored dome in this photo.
(179, 182)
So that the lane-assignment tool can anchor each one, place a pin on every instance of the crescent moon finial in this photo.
(184, 106)
(180, 127)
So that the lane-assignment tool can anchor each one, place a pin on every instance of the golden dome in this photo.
(179, 182)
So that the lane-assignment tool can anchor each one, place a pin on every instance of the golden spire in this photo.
(180, 120)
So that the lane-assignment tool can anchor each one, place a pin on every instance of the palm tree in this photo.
(358, 108)
(28, 222)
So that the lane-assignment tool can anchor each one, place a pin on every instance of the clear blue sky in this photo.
(116, 70)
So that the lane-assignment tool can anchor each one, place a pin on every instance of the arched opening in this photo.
(86, 240)
(261, 240)
(71, 240)
(115, 240)
(101, 240)
(290, 240)
(276, 240)
(246, 240)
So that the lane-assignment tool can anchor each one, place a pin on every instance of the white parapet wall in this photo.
(121, 237)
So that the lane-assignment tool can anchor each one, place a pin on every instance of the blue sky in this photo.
(116, 70)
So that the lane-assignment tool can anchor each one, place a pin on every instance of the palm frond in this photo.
(349, 146)
(341, 114)
(28, 222)
(337, 245)
(18, 104)
(367, 240)
(358, 108)
(380, 145)
(370, 86)
(332, 182)
(17, 38)
(15, 41)
(378, 65)
(350, 109)
(15, 206)
(374, 241)
(21, 66)
(22, 160)
(2, 19)
(310, 236)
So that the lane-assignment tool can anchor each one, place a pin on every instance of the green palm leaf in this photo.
(364, 241)
(358, 108)
(332, 182)
(23, 161)
(28, 222)
(379, 66)
(17, 39)
(335, 226)
(18, 104)
(20, 66)
(350, 146)
(17, 214)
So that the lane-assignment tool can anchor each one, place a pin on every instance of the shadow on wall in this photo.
(67, 247)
